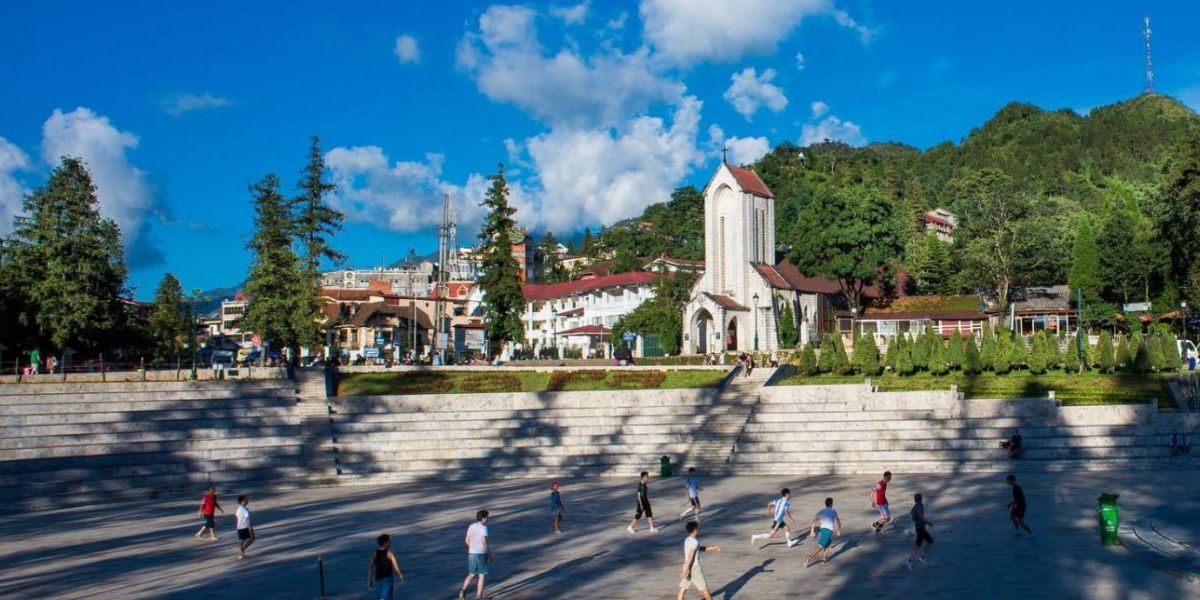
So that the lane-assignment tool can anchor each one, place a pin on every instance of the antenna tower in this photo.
(445, 236)
(1149, 70)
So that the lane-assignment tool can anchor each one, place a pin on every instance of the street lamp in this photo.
(554, 330)
(754, 302)
(1183, 309)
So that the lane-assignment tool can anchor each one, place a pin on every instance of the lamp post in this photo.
(1183, 309)
(754, 303)
(554, 330)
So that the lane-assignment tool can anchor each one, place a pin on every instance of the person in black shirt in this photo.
(921, 524)
(1016, 508)
(643, 504)
(383, 569)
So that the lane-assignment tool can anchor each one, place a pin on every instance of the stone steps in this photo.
(119, 406)
(199, 415)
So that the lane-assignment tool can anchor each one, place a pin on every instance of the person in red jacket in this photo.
(879, 501)
(208, 511)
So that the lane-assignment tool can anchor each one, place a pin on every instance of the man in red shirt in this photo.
(879, 501)
(208, 510)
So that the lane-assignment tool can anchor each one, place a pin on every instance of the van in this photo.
(1187, 353)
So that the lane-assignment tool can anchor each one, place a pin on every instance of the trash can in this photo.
(1109, 513)
(665, 465)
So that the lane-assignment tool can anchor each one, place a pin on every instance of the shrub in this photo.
(889, 359)
(1123, 358)
(987, 349)
(866, 356)
(635, 380)
(1018, 354)
(421, 383)
(1070, 356)
(807, 364)
(841, 364)
(825, 360)
(1104, 353)
(971, 363)
(955, 351)
(920, 351)
(1002, 354)
(1037, 359)
(1139, 354)
(937, 357)
(490, 382)
(904, 362)
(559, 380)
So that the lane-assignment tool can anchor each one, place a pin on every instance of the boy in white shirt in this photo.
(245, 528)
(691, 575)
(781, 512)
(479, 554)
(831, 525)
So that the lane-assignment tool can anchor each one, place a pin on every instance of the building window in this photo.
(721, 259)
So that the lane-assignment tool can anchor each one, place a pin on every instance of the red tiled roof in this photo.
(726, 302)
(750, 182)
(459, 289)
(936, 220)
(587, 330)
(546, 291)
(871, 315)
(358, 295)
(774, 279)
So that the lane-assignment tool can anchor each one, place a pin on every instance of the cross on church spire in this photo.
(725, 153)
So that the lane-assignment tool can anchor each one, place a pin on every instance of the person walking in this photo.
(879, 502)
(479, 554)
(643, 504)
(830, 526)
(1016, 508)
(245, 527)
(692, 491)
(383, 569)
(208, 511)
(781, 512)
(921, 524)
(556, 507)
(691, 575)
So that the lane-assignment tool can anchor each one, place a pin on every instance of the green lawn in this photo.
(483, 381)
(1073, 390)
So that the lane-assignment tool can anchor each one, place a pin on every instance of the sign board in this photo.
(371, 352)
(443, 340)
(256, 341)
(380, 340)
(1137, 307)
(629, 336)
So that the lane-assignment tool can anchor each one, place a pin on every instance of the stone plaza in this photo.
(145, 549)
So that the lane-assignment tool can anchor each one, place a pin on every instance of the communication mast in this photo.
(446, 235)
(1149, 70)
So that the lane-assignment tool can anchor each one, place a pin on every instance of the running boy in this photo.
(879, 501)
(1016, 508)
(556, 507)
(245, 528)
(383, 569)
(831, 525)
(691, 575)
(692, 491)
(643, 504)
(479, 554)
(781, 512)
(921, 524)
(208, 511)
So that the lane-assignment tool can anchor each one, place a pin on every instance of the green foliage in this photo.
(972, 362)
(930, 266)
(1018, 354)
(499, 272)
(661, 315)
(826, 360)
(673, 228)
(1085, 260)
(849, 235)
(937, 357)
(63, 268)
(169, 322)
(1105, 358)
(865, 358)
(1070, 356)
(904, 361)
(788, 336)
(988, 353)
(955, 351)
(807, 364)
(1038, 361)
(1164, 356)
(316, 222)
(1179, 221)
(1142, 258)
(276, 285)
(1124, 357)
(889, 357)
(1002, 357)
(1139, 354)
(841, 364)
(551, 269)
(920, 351)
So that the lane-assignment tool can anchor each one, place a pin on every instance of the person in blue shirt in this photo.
(556, 507)
(692, 491)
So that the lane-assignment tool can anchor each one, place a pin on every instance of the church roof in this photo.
(750, 181)
(725, 302)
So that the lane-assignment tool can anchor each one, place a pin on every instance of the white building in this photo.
(416, 280)
(736, 304)
(581, 314)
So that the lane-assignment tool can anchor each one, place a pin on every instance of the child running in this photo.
(383, 569)
(781, 512)
(691, 575)
(692, 491)
(208, 511)
(245, 527)
(831, 525)
(921, 524)
(556, 507)
(879, 501)
(643, 504)
(1016, 508)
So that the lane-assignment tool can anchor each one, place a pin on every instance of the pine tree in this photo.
(920, 352)
(500, 273)
(169, 320)
(316, 222)
(1018, 354)
(787, 327)
(65, 261)
(955, 351)
(987, 350)
(889, 358)
(937, 358)
(866, 356)
(1054, 355)
(1070, 357)
(1104, 353)
(904, 362)
(808, 361)
(971, 361)
(1037, 358)
(276, 287)
(1154, 350)
(1124, 358)
(826, 361)
(1085, 260)
(1139, 355)
(841, 364)
(1002, 361)
(551, 269)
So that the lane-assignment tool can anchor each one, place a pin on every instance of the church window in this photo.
(721, 260)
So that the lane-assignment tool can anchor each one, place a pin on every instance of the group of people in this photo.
(1180, 444)
(209, 505)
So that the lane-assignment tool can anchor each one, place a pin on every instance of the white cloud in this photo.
(687, 32)
(799, 61)
(178, 104)
(600, 176)
(571, 15)
(12, 160)
(563, 87)
(749, 91)
(830, 128)
(844, 19)
(742, 151)
(124, 193)
(407, 50)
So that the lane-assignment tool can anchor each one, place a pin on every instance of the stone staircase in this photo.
(76, 443)
(316, 431)
(716, 440)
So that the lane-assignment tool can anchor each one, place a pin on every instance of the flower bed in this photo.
(636, 380)
(490, 382)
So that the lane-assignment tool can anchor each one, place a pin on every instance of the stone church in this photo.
(736, 304)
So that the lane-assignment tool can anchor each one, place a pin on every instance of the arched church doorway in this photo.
(702, 329)
(731, 335)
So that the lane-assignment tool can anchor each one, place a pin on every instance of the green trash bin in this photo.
(1109, 513)
(665, 465)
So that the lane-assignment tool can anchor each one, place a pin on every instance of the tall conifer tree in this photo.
(500, 273)
(276, 285)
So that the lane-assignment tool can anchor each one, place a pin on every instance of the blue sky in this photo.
(598, 108)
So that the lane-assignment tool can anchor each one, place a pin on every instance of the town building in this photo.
(912, 315)
(580, 314)
(414, 279)
(939, 222)
(667, 264)
(1051, 309)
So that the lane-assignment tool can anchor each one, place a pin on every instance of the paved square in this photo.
(146, 549)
